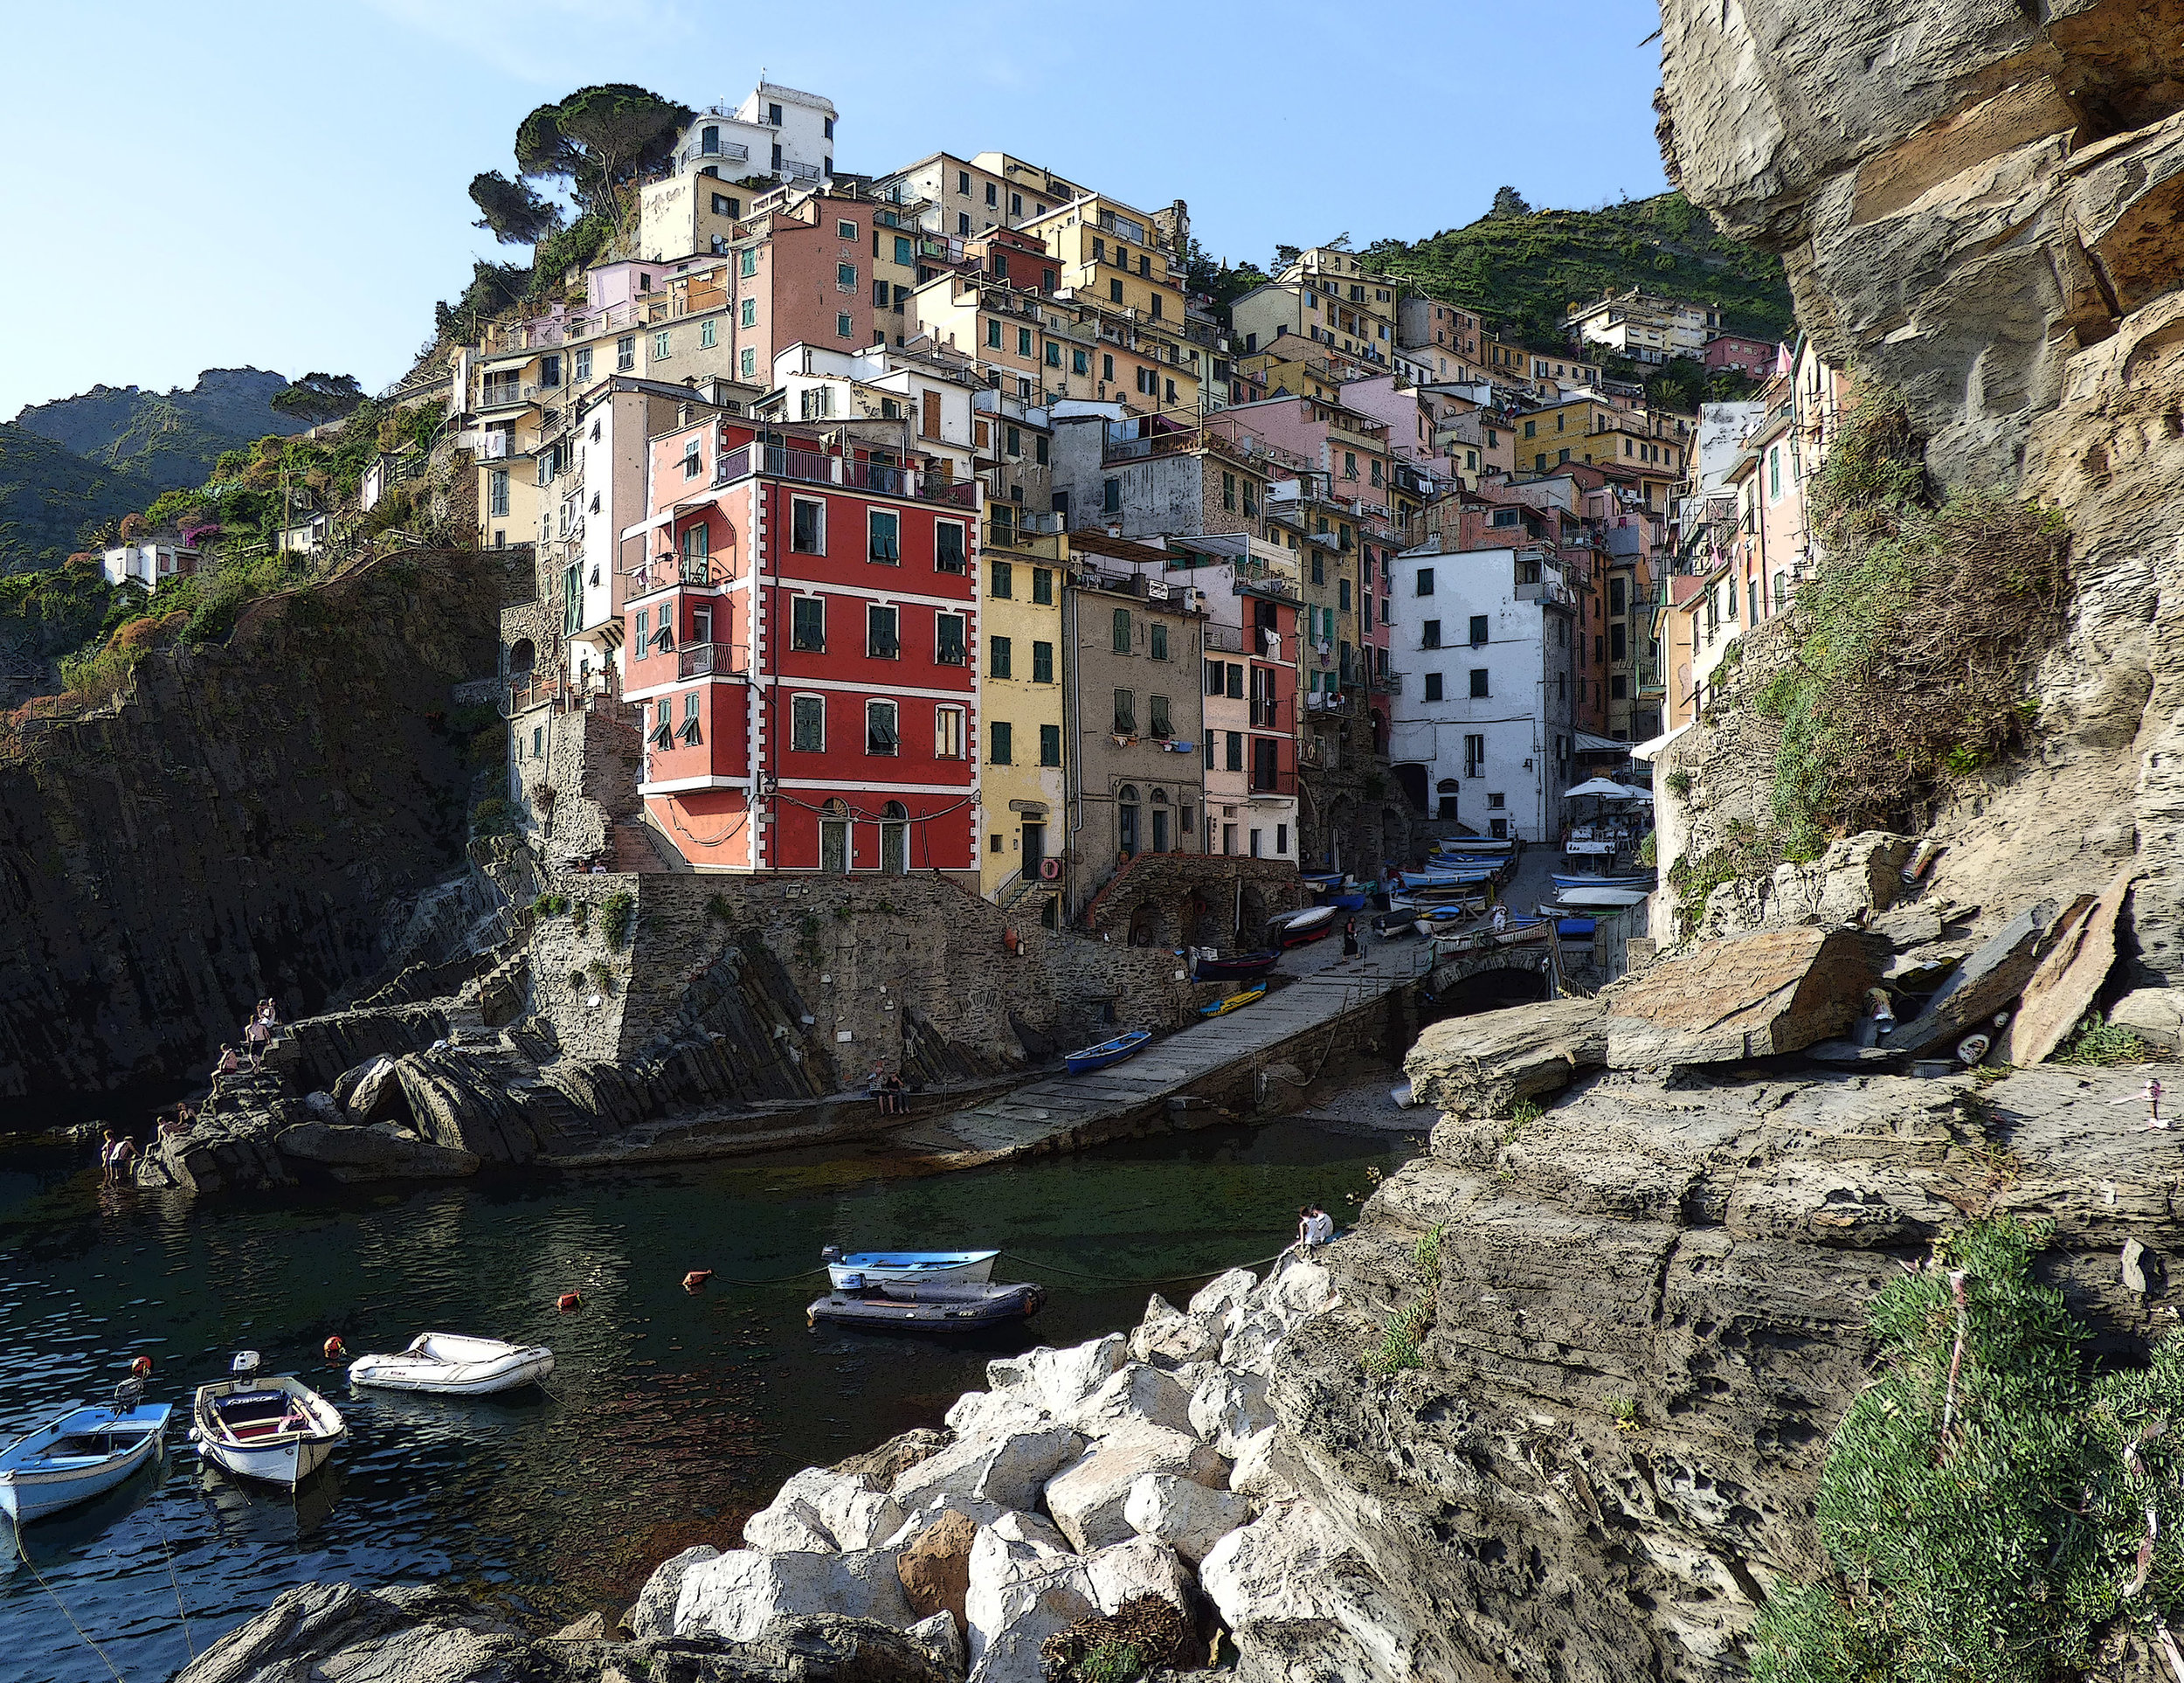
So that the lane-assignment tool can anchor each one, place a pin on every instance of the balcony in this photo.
(1545, 593)
(1388, 683)
(815, 468)
(719, 152)
(1224, 639)
(495, 395)
(664, 571)
(711, 661)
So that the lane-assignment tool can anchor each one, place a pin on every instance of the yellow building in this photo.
(1022, 742)
(1049, 348)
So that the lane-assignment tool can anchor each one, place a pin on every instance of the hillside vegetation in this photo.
(48, 495)
(171, 438)
(1523, 268)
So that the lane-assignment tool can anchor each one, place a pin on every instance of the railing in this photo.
(706, 660)
(1226, 639)
(1560, 595)
(730, 151)
(699, 572)
(493, 394)
(1388, 683)
(811, 467)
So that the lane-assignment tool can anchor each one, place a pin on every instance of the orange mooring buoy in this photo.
(695, 1279)
(567, 1301)
(334, 1348)
(142, 1365)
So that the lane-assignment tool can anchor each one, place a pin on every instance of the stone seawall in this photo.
(248, 821)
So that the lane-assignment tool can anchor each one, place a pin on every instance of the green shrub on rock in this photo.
(1985, 1503)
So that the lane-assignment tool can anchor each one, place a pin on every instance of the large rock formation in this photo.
(241, 825)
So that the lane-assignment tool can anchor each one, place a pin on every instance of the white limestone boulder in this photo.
(1264, 1471)
(1009, 1582)
(738, 1594)
(941, 1636)
(1182, 1514)
(653, 1615)
(1217, 1297)
(996, 1414)
(920, 1521)
(1009, 1471)
(1229, 1407)
(1285, 1587)
(819, 1508)
(1030, 1532)
(789, 1528)
(1087, 1497)
(1058, 1380)
(1168, 1338)
(1141, 1567)
(1137, 1393)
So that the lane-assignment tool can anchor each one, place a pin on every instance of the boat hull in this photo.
(1233, 1003)
(1295, 928)
(35, 1488)
(272, 1457)
(1112, 1052)
(929, 1308)
(1245, 967)
(907, 1267)
(439, 1365)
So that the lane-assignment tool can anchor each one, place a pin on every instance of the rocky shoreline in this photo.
(1131, 1488)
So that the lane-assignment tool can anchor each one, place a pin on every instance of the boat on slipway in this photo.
(277, 1430)
(1245, 966)
(1295, 928)
(451, 1364)
(1233, 1003)
(84, 1453)
(1107, 1052)
(909, 1267)
(904, 1306)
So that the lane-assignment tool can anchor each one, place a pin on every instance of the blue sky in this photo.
(193, 186)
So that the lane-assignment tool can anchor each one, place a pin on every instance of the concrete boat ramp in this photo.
(1194, 1076)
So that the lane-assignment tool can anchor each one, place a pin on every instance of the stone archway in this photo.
(1342, 842)
(522, 657)
(1411, 779)
(1251, 922)
(1144, 925)
(1201, 927)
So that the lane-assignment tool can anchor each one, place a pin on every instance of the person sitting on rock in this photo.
(1319, 1228)
(229, 1063)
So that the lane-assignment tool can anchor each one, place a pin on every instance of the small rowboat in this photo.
(1599, 899)
(1245, 966)
(1520, 932)
(279, 1430)
(1343, 899)
(83, 1454)
(928, 1308)
(1399, 920)
(1233, 1003)
(1483, 844)
(1637, 879)
(1108, 1052)
(449, 1364)
(909, 1267)
(1294, 928)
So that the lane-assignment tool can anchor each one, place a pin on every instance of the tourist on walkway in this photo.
(1350, 938)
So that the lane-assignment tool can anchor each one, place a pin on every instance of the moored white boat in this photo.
(83, 1454)
(453, 1364)
(277, 1430)
(899, 1267)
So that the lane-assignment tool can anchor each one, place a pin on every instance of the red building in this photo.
(1731, 350)
(801, 632)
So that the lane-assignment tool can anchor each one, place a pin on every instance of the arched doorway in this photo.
(1445, 801)
(522, 658)
(834, 837)
(1200, 926)
(1126, 820)
(1412, 779)
(1251, 921)
(895, 839)
(1144, 925)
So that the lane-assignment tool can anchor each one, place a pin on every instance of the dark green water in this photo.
(672, 1416)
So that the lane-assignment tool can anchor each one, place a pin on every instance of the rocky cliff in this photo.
(250, 819)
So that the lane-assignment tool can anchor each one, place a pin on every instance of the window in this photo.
(1126, 712)
(1425, 581)
(626, 353)
(1232, 752)
(693, 463)
(807, 526)
(948, 732)
(844, 327)
(807, 624)
(883, 536)
(997, 658)
(1342, 592)
(1001, 582)
(1023, 342)
(846, 230)
(992, 195)
(748, 364)
(879, 732)
(584, 364)
(1000, 743)
(948, 639)
(1042, 662)
(747, 263)
(1054, 354)
(1158, 633)
(1043, 587)
(1106, 365)
(1479, 638)
(723, 205)
(497, 491)
(1214, 684)
(662, 345)
(1475, 756)
(1079, 362)
(1014, 441)
(1114, 291)
(1478, 681)
(1432, 686)
(963, 220)
(1123, 644)
(1050, 745)
(963, 182)
(882, 639)
(1506, 516)
(993, 334)
(1157, 717)
(1429, 635)
(1774, 472)
(1236, 683)
(1618, 643)
(807, 724)
(948, 550)
(749, 314)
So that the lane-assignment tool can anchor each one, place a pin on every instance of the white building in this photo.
(1643, 326)
(1481, 730)
(150, 564)
(909, 406)
(777, 134)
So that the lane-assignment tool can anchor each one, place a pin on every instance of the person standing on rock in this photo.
(254, 1036)
(2150, 1096)
(121, 1172)
(106, 1160)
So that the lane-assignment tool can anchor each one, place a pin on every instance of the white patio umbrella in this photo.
(1603, 787)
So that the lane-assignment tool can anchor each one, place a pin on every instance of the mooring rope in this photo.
(23, 1555)
(159, 1515)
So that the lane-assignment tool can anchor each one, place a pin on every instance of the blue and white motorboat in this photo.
(907, 1267)
(83, 1454)
(1108, 1052)
(277, 1430)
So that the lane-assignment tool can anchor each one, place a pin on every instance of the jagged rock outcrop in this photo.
(237, 826)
